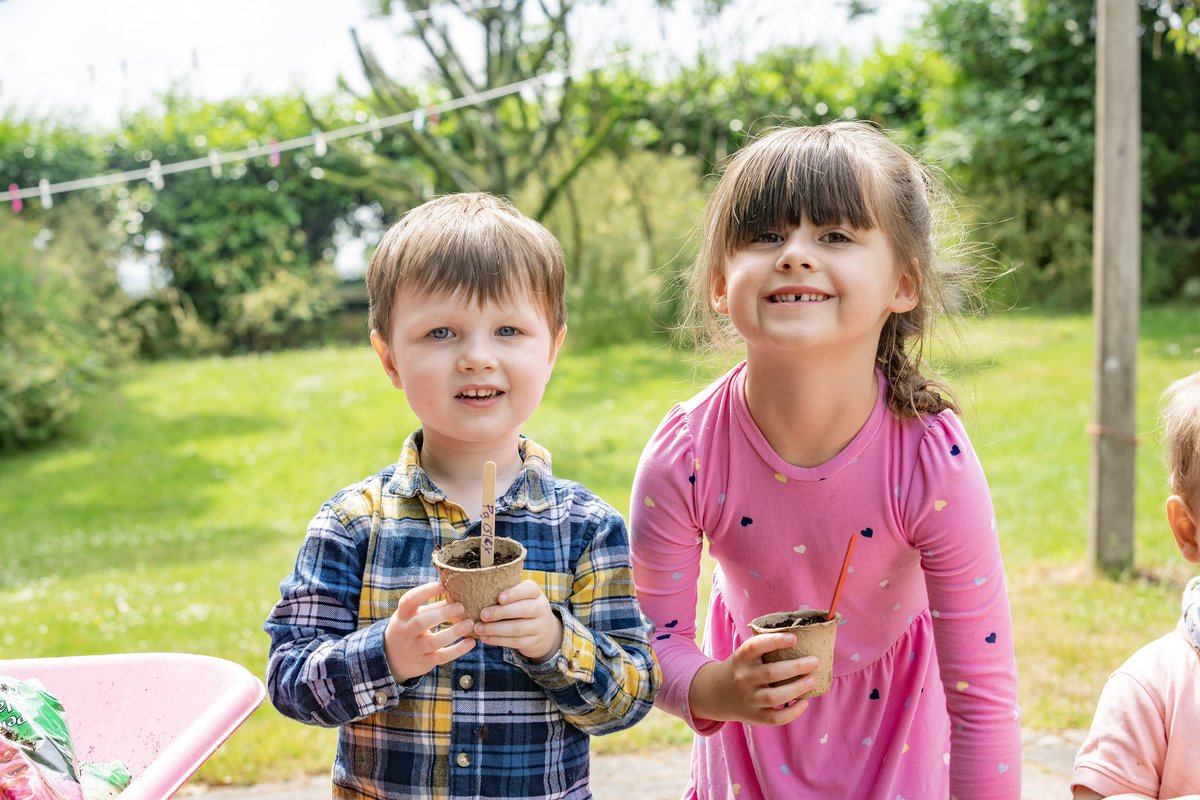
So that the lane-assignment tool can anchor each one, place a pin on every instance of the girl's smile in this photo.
(808, 285)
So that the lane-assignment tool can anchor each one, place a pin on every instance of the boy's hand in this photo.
(739, 688)
(411, 645)
(524, 621)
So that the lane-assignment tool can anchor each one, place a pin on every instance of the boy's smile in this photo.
(472, 372)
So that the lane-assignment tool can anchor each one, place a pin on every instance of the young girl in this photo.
(819, 249)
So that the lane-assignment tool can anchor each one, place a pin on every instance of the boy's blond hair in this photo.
(473, 246)
(1181, 424)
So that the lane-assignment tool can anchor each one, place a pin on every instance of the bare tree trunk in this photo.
(1116, 258)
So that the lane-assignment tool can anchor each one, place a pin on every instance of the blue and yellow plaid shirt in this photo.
(490, 723)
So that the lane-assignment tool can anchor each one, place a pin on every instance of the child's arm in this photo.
(667, 536)
(323, 669)
(948, 517)
(601, 674)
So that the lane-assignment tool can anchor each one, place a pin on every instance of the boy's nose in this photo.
(475, 356)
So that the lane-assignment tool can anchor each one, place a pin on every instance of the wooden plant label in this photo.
(487, 517)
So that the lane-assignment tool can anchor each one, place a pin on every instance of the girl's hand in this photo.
(411, 645)
(739, 688)
(524, 621)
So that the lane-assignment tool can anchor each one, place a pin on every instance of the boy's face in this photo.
(472, 373)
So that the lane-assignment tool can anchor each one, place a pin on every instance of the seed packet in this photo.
(37, 757)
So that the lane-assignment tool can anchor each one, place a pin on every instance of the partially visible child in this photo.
(1145, 737)
(467, 317)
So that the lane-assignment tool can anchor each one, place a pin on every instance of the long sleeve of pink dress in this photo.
(924, 697)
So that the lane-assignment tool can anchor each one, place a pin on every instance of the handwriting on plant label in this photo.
(487, 528)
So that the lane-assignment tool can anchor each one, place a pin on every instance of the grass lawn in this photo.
(166, 519)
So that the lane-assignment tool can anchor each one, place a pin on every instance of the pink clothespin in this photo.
(14, 193)
(273, 159)
(432, 113)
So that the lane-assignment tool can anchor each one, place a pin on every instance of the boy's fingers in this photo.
(431, 617)
(448, 654)
(448, 637)
(525, 590)
(417, 596)
(516, 609)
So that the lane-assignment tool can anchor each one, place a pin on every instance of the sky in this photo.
(93, 59)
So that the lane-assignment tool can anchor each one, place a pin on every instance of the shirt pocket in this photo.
(555, 585)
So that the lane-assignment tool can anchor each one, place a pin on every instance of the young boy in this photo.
(1143, 738)
(467, 316)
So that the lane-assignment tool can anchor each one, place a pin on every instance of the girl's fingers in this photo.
(792, 668)
(754, 647)
(782, 716)
(773, 696)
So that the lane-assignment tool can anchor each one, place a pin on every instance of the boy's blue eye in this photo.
(440, 333)
(506, 330)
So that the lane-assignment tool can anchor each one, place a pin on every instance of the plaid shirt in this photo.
(490, 723)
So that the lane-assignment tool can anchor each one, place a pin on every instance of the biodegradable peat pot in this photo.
(814, 637)
(478, 587)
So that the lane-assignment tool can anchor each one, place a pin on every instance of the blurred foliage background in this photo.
(616, 161)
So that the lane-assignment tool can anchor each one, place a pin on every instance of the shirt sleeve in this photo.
(949, 519)
(322, 669)
(605, 676)
(1127, 744)
(667, 546)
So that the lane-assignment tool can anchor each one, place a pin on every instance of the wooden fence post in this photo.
(1116, 259)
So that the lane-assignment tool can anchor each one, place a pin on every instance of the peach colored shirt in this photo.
(1146, 731)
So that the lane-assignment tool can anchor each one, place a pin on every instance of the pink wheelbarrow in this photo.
(162, 714)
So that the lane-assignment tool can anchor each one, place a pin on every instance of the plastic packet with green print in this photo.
(37, 758)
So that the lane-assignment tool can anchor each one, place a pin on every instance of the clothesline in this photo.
(318, 139)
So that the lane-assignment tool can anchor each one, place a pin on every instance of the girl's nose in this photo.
(794, 255)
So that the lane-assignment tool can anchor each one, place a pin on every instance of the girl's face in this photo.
(813, 288)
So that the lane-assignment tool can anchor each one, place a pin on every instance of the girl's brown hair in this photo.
(1181, 436)
(472, 245)
(837, 173)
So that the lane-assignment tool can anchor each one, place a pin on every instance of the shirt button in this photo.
(466, 682)
(380, 697)
(463, 760)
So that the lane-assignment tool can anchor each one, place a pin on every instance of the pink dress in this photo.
(924, 697)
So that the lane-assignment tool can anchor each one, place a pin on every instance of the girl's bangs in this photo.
(796, 177)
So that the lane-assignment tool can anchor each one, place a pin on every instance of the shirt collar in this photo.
(533, 489)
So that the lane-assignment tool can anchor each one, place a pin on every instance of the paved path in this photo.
(1047, 759)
